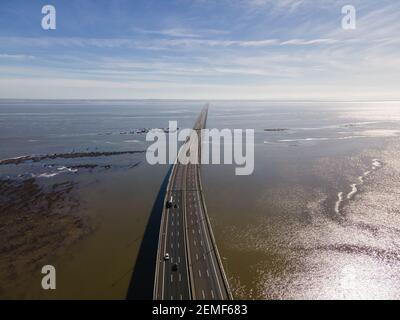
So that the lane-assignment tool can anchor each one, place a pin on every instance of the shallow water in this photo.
(319, 218)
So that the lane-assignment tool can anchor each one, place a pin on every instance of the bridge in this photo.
(188, 263)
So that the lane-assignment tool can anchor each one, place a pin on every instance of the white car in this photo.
(166, 257)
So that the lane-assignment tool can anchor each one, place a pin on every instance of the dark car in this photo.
(175, 267)
(169, 203)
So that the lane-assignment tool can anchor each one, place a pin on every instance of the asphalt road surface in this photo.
(193, 269)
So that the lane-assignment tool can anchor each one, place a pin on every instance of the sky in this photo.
(200, 49)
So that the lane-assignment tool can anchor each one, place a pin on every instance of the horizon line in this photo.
(201, 100)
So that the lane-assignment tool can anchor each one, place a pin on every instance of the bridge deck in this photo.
(186, 235)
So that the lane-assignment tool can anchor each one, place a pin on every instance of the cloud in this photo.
(178, 33)
(281, 4)
(182, 33)
(16, 56)
(302, 42)
(54, 88)
(158, 44)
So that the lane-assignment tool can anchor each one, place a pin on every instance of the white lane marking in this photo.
(181, 297)
(178, 244)
(177, 223)
(172, 298)
(172, 278)
(172, 234)
(208, 274)
(179, 259)
(172, 245)
(193, 231)
(172, 260)
(201, 242)
(178, 233)
(202, 292)
(212, 294)
(197, 256)
(180, 277)
(199, 273)
(195, 243)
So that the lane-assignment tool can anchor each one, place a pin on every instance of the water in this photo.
(319, 218)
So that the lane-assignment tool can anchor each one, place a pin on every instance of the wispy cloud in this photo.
(171, 33)
(182, 33)
(158, 43)
(303, 42)
(16, 56)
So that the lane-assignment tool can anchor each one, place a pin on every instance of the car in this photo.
(175, 267)
(169, 203)
(166, 256)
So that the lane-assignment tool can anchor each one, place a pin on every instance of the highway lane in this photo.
(208, 278)
(174, 284)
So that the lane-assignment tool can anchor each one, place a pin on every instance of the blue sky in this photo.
(200, 49)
